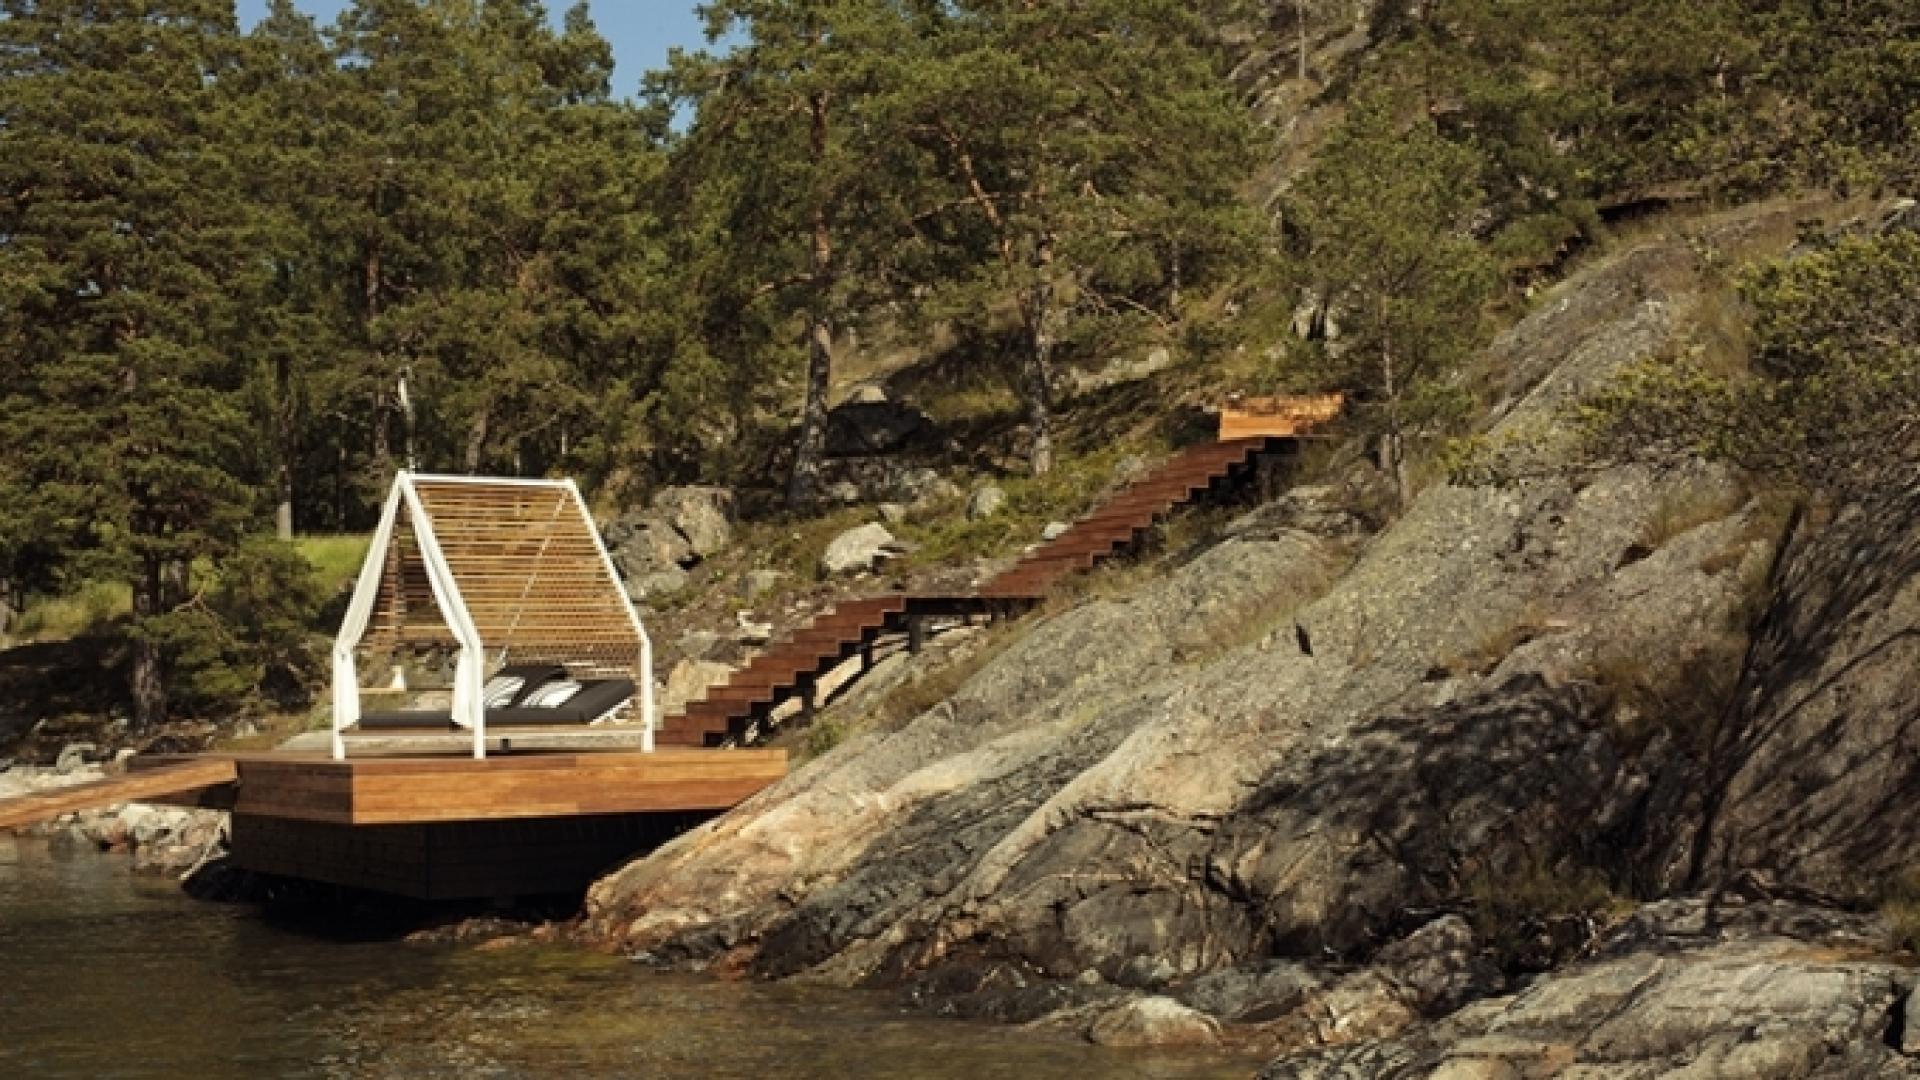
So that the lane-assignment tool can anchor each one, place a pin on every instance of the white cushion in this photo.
(552, 695)
(500, 690)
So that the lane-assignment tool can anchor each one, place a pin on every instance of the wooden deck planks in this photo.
(389, 791)
(174, 780)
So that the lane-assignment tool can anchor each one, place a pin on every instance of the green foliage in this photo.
(1076, 165)
(93, 608)
(221, 253)
(1380, 225)
(335, 559)
(1033, 502)
(1835, 381)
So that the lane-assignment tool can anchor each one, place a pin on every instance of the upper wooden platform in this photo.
(1284, 417)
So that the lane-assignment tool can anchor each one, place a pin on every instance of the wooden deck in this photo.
(436, 827)
(415, 790)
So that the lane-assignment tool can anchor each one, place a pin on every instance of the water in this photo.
(106, 975)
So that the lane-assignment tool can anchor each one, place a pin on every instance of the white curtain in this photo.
(366, 589)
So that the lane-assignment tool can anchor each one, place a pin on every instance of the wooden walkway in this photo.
(177, 781)
(732, 710)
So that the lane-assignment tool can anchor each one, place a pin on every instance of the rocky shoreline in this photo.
(165, 840)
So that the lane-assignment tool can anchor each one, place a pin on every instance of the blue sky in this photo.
(641, 31)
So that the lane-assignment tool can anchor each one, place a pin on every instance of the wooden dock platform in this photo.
(436, 827)
(415, 790)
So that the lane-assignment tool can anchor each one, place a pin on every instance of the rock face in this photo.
(655, 547)
(1172, 775)
(1256, 785)
(1772, 993)
(1815, 780)
(862, 548)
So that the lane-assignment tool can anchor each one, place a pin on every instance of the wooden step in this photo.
(815, 646)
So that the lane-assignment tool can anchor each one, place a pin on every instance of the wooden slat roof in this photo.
(526, 561)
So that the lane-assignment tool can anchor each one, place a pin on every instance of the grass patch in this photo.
(335, 558)
(1900, 907)
(793, 544)
(1682, 512)
(89, 609)
(95, 606)
(1686, 699)
(937, 683)
(822, 736)
(1068, 491)
(1498, 642)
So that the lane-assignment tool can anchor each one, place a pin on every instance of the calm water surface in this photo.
(106, 975)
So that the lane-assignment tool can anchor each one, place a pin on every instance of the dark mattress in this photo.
(596, 698)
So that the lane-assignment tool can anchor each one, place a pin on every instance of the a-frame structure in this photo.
(493, 571)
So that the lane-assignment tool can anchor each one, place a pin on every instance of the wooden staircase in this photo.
(730, 710)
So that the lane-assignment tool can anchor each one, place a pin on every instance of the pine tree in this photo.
(785, 167)
(1089, 158)
(490, 203)
(1379, 223)
(293, 332)
(124, 238)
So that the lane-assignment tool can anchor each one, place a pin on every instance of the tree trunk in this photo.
(1300, 20)
(6, 610)
(803, 485)
(284, 449)
(1393, 449)
(342, 483)
(382, 442)
(1038, 368)
(147, 683)
(476, 440)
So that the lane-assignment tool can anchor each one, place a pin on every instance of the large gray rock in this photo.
(1744, 1002)
(861, 548)
(702, 516)
(1153, 1021)
(986, 501)
(649, 553)
(653, 549)
(1815, 779)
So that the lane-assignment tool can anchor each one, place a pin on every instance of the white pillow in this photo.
(500, 690)
(552, 695)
